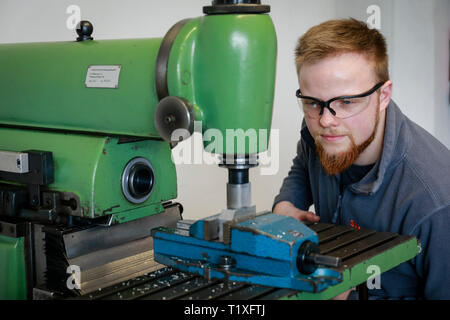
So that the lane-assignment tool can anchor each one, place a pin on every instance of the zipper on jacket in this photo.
(337, 214)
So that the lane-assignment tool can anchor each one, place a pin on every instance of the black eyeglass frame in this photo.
(326, 104)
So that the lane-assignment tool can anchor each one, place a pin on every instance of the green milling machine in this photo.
(86, 135)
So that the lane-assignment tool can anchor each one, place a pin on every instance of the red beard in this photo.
(336, 163)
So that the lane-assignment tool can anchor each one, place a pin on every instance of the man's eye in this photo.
(344, 103)
(310, 103)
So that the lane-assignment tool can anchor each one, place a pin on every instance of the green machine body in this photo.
(85, 124)
(222, 66)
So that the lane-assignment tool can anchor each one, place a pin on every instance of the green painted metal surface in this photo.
(12, 269)
(358, 273)
(43, 85)
(91, 167)
(225, 66)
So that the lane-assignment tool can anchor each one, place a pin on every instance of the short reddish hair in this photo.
(340, 36)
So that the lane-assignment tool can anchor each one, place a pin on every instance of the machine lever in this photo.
(309, 258)
(320, 259)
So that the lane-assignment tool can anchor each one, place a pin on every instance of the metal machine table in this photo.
(358, 248)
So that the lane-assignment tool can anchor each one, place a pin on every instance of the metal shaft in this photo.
(320, 259)
(238, 195)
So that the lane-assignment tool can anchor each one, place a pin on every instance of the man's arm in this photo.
(295, 196)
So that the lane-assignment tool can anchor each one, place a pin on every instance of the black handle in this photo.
(309, 258)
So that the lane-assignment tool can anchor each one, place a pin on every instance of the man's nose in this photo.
(327, 119)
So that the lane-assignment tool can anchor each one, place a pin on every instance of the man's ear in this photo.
(385, 95)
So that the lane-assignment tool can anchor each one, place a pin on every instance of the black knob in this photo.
(84, 30)
(309, 258)
(215, 2)
(236, 7)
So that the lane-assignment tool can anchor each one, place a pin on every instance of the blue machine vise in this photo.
(263, 249)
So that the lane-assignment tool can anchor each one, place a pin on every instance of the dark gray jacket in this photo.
(406, 192)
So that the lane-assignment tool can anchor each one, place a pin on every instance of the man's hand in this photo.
(288, 209)
(343, 295)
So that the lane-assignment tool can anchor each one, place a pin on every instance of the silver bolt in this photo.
(227, 262)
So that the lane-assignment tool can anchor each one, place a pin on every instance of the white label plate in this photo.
(106, 76)
(15, 162)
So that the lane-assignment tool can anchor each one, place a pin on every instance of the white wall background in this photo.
(417, 32)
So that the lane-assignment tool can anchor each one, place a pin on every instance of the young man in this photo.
(362, 162)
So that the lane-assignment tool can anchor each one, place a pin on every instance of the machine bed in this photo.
(358, 249)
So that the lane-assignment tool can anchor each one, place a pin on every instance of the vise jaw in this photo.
(264, 249)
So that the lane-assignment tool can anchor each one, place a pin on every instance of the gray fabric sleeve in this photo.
(433, 263)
